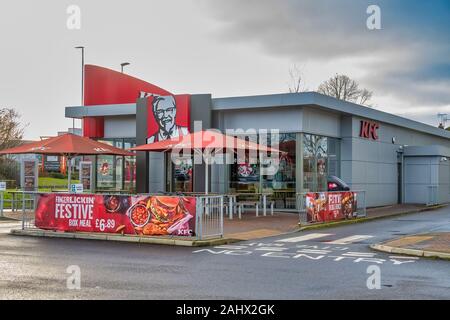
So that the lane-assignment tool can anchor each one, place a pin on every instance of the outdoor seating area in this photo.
(200, 215)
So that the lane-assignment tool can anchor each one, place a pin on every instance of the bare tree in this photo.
(342, 87)
(11, 133)
(296, 82)
(11, 130)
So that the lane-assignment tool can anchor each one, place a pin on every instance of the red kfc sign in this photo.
(369, 129)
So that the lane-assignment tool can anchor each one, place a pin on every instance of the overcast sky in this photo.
(226, 48)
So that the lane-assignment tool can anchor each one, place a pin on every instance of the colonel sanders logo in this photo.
(164, 110)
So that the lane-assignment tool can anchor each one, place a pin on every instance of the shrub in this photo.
(57, 175)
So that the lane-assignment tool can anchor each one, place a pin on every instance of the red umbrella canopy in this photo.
(207, 139)
(69, 145)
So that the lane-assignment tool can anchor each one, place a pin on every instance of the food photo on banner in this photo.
(329, 206)
(132, 215)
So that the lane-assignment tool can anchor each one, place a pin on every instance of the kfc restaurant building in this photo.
(393, 159)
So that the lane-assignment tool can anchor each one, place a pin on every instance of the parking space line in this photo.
(350, 239)
(306, 237)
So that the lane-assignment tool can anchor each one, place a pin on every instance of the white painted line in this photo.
(351, 239)
(278, 249)
(306, 237)
(314, 251)
(360, 254)
(231, 247)
(403, 257)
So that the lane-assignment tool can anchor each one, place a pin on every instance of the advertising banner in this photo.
(51, 163)
(86, 174)
(29, 175)
(329, 206)
(134, 215)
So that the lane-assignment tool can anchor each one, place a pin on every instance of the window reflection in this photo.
(116, 172)
(320, 159)
(281, 187)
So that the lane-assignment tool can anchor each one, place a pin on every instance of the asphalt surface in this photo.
(322, 267)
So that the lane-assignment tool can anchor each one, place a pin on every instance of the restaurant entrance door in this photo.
(179, 176)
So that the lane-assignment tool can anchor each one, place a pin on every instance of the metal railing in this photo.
(29, 203)
(209, 219)
(16, 201)
(360, 210)
(432, 195)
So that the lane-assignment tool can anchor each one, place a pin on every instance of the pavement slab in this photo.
(436, 244)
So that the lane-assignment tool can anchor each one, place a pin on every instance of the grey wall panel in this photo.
(415, 193)
(374, 164)
(403, 135)
(420, 174)
(444, 182)
(156, 178)
(219, 176)
(346, 126)
(346, 171)
(319, 122)
(417, 173)
(200, 111)
(374, 197)
(142, 158)
(326, 103)
(120, 127)
(284, 119)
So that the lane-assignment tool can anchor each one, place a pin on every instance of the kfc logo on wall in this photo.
(369, 129)
(168, 116)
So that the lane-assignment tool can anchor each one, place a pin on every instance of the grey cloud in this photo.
(302, 29)
(411, 50)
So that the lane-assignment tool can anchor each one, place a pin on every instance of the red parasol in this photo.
(210, 140)
(68, 145)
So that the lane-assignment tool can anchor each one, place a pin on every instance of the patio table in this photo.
(262, 198)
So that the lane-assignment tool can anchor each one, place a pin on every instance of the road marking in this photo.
(350, 239)
(231, 247)
(403, 257)
(270, 249)
(314, 251)
(306, 237)
(359, 254)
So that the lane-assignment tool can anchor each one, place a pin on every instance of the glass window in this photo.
(180, 178)
(116, 172)
(130, 167)
(282, 186)
(105, 172)
(244, 176)
(320, 159)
